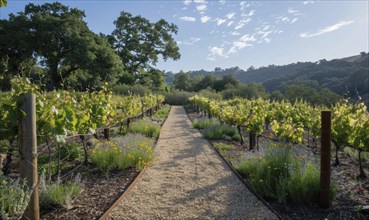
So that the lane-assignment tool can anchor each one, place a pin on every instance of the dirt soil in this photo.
(99, 193)
(351, 190)
(188, 180)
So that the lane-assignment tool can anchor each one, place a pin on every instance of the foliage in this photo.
(146, 127)
(123, 152)
(177, 97)
(205, 123)
(162, 113)
(249, 91)
(139, 42)
(61, 40)
(3, 3)
(14, 198)
(280, 175)
(182, 81)
(225, 132)
(70, 151)
(58, 194)
(123, 89)
(210, 94)
(223, 148)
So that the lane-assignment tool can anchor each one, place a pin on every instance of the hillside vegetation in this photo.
(347, 76)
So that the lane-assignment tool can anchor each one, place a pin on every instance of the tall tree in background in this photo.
(139, 42)
(62, 42)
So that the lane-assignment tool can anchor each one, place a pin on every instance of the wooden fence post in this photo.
(28, 151)
(325, 159)
(107, 133)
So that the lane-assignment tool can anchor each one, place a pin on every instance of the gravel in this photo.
(188, 180)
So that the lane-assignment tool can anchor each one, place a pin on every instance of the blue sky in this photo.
(221, 33)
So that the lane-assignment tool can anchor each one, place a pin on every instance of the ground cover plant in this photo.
(162, 113)
(146, 127)
(132, 150)
(54, 194)
(282, 176)
(288, 195)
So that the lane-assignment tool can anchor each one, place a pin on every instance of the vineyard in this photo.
(75, 133)
(279, 133)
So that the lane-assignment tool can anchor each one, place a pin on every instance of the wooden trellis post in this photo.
(28, 151)
(325, 159)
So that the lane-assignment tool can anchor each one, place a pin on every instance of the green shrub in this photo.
(162, 113)
(137, 89)
(57, 194)
(282, 176)
(225, 132)
(132, 150)
(14, 198)
(146, 127)
(205, 123)
(71, 151)
(223, 148)
(177, 97)
(210, 94)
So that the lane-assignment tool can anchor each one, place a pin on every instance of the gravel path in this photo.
(188, 180)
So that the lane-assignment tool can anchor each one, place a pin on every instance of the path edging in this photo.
(133, 182)
(239, 175)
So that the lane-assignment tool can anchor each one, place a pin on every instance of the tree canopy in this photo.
(58, 38)
(139, 42)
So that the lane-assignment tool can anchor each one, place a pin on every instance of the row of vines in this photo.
(291, 122)
(65, 116)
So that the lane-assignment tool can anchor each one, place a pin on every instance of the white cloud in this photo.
(220, 21)
(267, 40)
(326, 29)
(216, 52)
(230, 15)
(187, 2)
(243, 42)
(205, 19)
(251, 13)
(242, 23)
(264, 34)
(284, 19)
(186, 18)
(195, 39)
(239, 26)
(244, 5)
(238, 45)
(189, 42)
(229, 23)
(294, 20)
(266, 28)
(235, 33)
(308, 2)
(201, 7)
(247, 38)
(222, 2)
(293, 11)
(199, 1)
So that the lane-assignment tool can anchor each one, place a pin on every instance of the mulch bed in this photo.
(99, 193)
(351, 190)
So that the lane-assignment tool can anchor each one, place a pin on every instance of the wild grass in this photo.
(224, 132)
(133, 150)
(162, 113)
(205, 123)
(146, 127)
(282, 176)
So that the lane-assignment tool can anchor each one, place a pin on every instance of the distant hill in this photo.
(349, 74)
